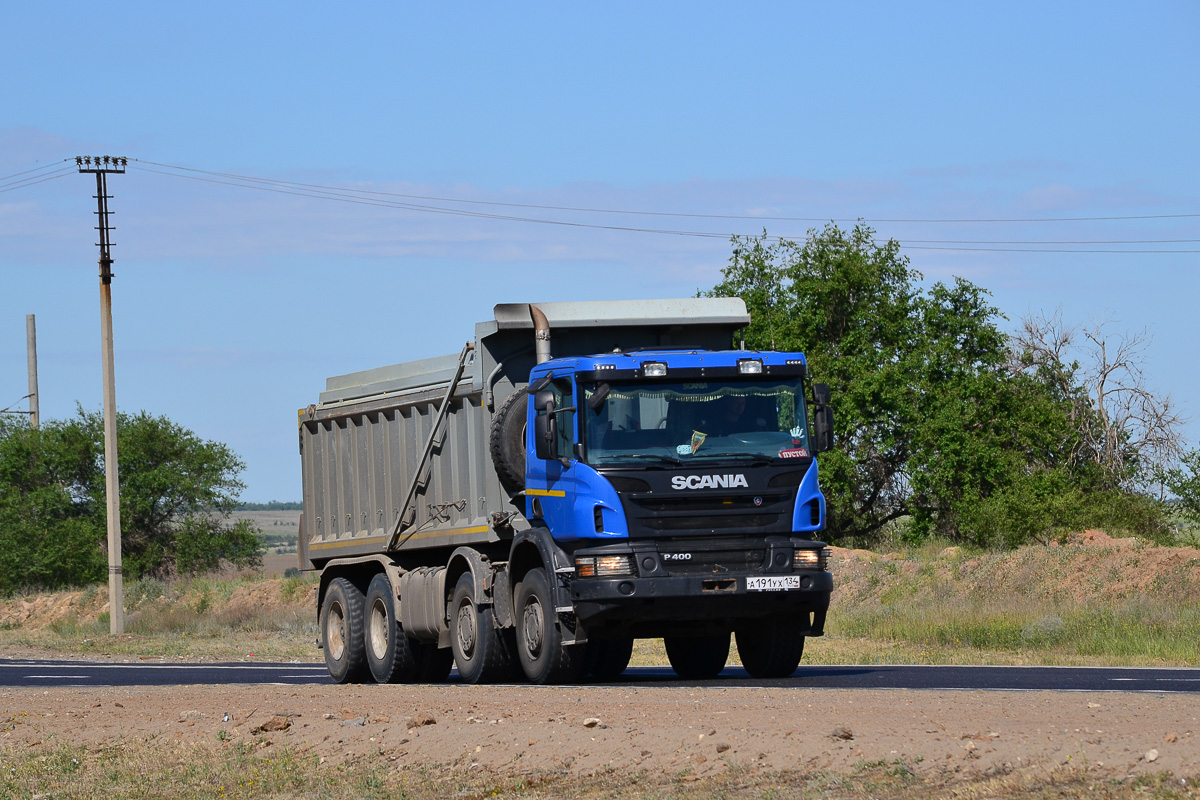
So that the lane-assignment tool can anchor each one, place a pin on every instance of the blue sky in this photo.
(232, 305)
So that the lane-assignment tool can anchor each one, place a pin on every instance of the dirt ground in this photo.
(683, 734)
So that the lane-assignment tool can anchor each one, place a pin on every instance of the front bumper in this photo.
(661, 604)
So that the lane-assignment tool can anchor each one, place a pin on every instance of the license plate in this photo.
(772, 583)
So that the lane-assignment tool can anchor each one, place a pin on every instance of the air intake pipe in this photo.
(541, 334)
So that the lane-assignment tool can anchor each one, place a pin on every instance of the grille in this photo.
(717, 562)
(711, 503)
(710, 522)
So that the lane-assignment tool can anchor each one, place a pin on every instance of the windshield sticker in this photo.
(796, 432)
(798, 452)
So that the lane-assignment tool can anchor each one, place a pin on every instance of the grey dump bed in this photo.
(364, 441)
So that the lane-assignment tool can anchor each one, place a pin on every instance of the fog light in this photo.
(810, 559)
(603, 566)
(750, 366)
(654, 369)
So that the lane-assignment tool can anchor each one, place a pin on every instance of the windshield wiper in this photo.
(630, 456)
(757, 457)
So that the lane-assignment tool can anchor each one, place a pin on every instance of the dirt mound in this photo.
(233, 599)
(1091, 568)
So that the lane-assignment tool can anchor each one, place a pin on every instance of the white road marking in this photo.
(85, 677)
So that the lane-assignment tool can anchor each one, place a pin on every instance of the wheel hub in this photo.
(534, 626)
(335, 633)
(466, 629)
(379, 630)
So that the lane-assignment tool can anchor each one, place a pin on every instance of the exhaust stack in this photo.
(541, 334)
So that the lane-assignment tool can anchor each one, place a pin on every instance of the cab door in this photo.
(551, 485)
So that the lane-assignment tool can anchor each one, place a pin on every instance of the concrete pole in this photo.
(116, 600)
(31, 344)
(102, 166)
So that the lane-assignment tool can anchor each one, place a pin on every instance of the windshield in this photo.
(738, 419)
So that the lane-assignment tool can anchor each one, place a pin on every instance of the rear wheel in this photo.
(698, 657)
(391, 654)
(771, 648)
(483, 653)
(342, 632)
(540, 647)
(607, 658)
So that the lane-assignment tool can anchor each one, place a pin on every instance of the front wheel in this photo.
(771, 648)
(540, 647)
(607, 658)
(342, 632)
(698, 657)
(482, 652)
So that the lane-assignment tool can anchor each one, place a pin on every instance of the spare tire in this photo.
(507, 441)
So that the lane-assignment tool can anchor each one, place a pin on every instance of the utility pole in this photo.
(31, 346)
(102, 166)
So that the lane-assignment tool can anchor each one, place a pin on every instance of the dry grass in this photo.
(219, 770)
(207, 618)
(1095, 601)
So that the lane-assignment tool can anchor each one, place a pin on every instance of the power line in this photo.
(404, 202)
(51, 165)
(35, 179)
(748, 217)
(378, 199)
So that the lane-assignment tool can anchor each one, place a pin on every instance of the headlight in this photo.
(811, 559)
(750, 366)
(654, 369)
(603, 566)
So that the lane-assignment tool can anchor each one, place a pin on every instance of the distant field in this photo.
(279, 531)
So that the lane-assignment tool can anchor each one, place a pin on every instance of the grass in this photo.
(253, 771)
(203, 617)
(1109, 602)
(1104, 603)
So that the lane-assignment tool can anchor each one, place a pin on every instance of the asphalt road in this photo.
(38, 673)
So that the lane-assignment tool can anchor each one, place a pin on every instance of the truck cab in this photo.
(683, 488)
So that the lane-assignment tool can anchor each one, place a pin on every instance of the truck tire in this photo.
(697, 657)
(482, 652)
(507, 441)
(544, 657)
(342, 632)
(391, 654)
(771, 648)
(607, 658)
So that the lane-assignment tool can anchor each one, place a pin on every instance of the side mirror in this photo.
(822, 419)
(545, 426)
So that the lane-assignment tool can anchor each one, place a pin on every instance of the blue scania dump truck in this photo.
(579, 476)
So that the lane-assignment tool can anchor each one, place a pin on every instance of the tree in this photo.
(1130, 433)
(177, 492)
(1184, 482)
(933, 425)
(49, 535)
